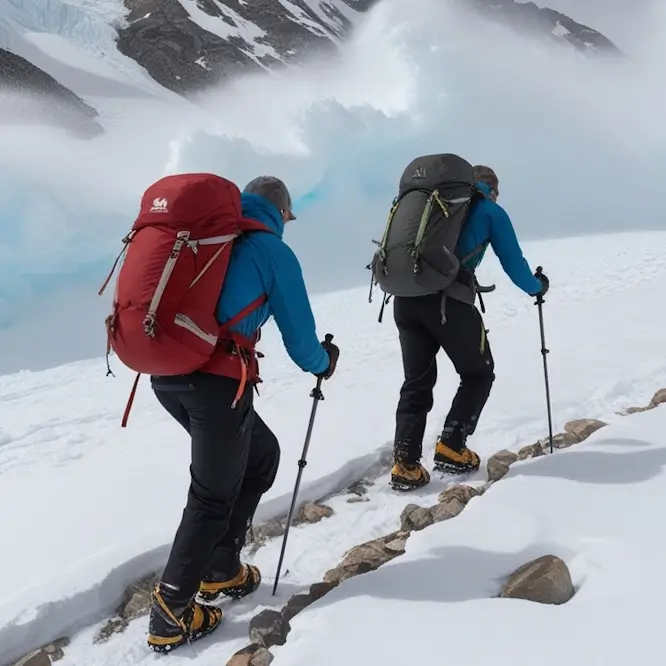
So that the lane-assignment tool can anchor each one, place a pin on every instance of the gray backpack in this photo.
(416, 254)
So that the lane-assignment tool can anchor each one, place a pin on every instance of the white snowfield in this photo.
(88, 507)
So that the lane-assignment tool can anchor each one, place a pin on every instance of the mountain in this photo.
(74, 51)
(41, 98)
(527, 17)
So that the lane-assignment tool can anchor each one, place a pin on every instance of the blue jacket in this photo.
(262, 263)
(488, 223)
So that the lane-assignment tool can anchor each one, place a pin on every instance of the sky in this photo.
(574, 142)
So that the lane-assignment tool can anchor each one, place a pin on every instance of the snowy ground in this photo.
(598, 507)
(92, 507)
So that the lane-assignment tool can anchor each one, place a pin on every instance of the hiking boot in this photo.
(245, 582)
(455, 462)
(170, 627)
(405, 477)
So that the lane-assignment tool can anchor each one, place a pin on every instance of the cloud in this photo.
(575, 141)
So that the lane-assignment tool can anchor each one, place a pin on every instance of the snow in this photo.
(239, 28)
(107, 500)
(597, 507)
(560, 31)
(89, 507)
(71, 41)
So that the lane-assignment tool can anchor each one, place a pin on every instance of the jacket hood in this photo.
(483, 187)
(261, 209)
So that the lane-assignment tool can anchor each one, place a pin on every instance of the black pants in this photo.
(235, 458)
(463, 339)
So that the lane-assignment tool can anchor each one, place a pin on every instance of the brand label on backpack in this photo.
(160, 205)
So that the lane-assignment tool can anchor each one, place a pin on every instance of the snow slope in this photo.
(598, 507)
(107, 500)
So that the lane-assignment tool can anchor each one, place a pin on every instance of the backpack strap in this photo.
(242, 346)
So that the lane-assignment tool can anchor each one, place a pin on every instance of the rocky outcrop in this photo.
(31, 95)
(312, 512)
(135, 604)
(252, 655)
(498, 465)
(527, 17)
(187, 46)
(575, 432)
(545, 580)
(368, 557)
(46, 655)
(169, 39)
(657, 399)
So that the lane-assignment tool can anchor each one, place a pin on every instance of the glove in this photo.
(333, 354)
(545, 283)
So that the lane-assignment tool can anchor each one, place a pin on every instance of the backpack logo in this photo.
(160, 206)
(419, 174)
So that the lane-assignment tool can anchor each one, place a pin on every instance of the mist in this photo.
(577, 143)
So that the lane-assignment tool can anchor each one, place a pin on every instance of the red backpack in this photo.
(175, 262)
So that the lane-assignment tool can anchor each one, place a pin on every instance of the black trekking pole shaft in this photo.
(544, 352)
(317, 398)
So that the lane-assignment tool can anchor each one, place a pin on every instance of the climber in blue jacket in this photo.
(462, 336)
(235, 455)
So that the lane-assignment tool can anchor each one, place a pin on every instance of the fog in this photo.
(578, 144)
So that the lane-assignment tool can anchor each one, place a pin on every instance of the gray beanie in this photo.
(274, 190)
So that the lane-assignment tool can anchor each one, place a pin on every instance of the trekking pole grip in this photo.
(328, 337)
(539, 298)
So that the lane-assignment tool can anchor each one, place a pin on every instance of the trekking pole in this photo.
(544, 351)
(317, 397)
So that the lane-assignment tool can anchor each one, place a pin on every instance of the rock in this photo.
(269, 628)
(545, 580)
(262, 657)
(498, 465)
(55, 650)
(257, 536)
(415, 518)
(295, 605)
(356, 499)
(30, 95)
(137, 606)
(311, 512)
(658, 398)
(116, 625)
(633, 410)
(581, 429)
(300, 602)
(562, 440)
(185, 57)
(452, 502)
(359, 488)
(252, 655)
(368, 557)
(531, 451)
(36, 658)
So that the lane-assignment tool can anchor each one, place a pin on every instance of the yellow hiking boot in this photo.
(407, 477)
(170, 627)
(455, 462)
(246, 581)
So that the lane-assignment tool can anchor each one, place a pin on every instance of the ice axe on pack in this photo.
(544, 352)
(317, 396)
